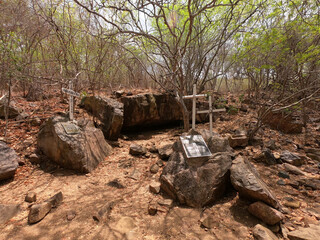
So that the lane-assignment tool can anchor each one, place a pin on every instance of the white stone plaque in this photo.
(70, 128)
(194, 146)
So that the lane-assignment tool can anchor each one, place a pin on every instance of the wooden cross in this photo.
(194, 97)
(71, 94)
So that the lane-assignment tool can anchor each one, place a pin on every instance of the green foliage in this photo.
(232, 110)
(241, 98)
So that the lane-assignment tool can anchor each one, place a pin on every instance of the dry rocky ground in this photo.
(119, 187)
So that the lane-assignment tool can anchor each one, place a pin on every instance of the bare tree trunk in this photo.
(185, 114)
(7, 109)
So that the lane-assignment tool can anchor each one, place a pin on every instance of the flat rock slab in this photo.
(195, 186)
(8, 161)
(80, 150)
(246, 180)
(310, 233)
(7, 212)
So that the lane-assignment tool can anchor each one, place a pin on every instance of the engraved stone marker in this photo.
(194, 146)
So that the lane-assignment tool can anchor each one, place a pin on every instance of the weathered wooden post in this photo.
(71, 94)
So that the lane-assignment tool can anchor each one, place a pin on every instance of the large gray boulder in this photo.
(246, 180)
(195, 186)
(81, 151)
(8, 161)
(109, 112)
(150, 109)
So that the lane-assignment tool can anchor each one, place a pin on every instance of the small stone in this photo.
(71, 215)
(266, 213)
(31, 197)
(119, 93)
(22, 116)
(262, 233)
(294, 184)
(35, 122)
(293, 169)
(313, 184)
(56, 200)
(137, 150)
(124, 137)
(155, 187)
(238, 141)
(103, 212)
(313, 153)
(276, 155)
(160, 163)
(290, 202)
(269, 157)
(283, 174)
(34, 158)
(21, 162)
(152, 209)
(274, 228)
(165, 152)
(154, 168)
(38, 212)
(281, 182)
(153, 149)
(135, 174)
(166, 202)
(244, 108)
(271, 145)
(291, 158)
(286, 210)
